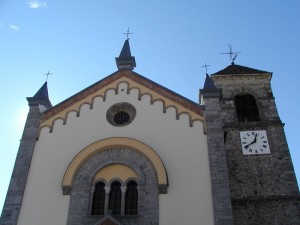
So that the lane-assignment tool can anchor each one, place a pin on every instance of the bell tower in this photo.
(262, 181)
(37, 104)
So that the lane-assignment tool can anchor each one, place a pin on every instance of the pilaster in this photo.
(217, 157)
(14, 197)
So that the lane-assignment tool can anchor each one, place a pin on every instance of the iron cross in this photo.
(47, 74)
(205, 65)
(127, 33)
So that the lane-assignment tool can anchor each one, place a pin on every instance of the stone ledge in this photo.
(264, 199)
(163, 189)
(115, 216)
(66, 189)
(252, 125)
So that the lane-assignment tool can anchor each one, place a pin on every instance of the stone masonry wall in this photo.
(263, 188)
(19, 176)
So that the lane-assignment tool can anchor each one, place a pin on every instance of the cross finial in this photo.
(127, 33)
(232, 54)
(205, 65)
(47, 74)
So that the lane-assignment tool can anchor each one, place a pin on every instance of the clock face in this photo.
(255, 142)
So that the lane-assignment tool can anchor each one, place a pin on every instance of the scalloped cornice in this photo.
(134, 80)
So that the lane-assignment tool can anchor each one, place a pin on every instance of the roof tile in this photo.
(237, 69)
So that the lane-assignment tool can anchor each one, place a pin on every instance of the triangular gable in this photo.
(108, 220)
(134, 80)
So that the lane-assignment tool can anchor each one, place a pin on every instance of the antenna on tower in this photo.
(232, 55)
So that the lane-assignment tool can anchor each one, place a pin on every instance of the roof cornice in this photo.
(159, 89)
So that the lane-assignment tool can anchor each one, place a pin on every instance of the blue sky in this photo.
(77, 41)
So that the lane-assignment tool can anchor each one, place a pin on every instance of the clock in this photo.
(42, 108)
(254, 142)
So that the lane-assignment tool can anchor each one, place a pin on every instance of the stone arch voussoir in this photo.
(80, 199)
(109, 143)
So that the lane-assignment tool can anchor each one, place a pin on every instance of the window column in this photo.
(123, 189)
(107, 192)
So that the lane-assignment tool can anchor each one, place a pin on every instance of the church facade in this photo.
(127, 150)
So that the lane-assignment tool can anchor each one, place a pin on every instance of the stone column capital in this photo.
(123, 189)
(107, 190)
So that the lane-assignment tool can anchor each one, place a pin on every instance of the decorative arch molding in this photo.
(244, 91)
(122, 82)
(104, 144)
(83, 187)
(111, 172)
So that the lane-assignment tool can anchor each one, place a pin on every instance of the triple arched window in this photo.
(246, 108)
(115, 199)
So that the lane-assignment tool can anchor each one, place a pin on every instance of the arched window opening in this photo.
(246, 108)
(131, 198)
(115, 198)
(98, 199)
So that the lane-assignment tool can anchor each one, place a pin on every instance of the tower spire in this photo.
(209, 83)
(125, 61)
(41, 97)
(42, 92)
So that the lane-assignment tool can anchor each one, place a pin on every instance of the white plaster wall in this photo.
(183, 150)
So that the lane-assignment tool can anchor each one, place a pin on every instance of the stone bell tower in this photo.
(262, 181)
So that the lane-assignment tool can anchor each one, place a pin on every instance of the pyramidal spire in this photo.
(209, 83)
(125, 61)
(209, 90)
(41, 97)
(42, 92)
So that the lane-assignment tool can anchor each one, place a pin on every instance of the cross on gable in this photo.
(205, 65)
(47, 74)
(127, 33)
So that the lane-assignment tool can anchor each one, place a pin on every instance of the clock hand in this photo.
(255, 138)
(246, 146)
